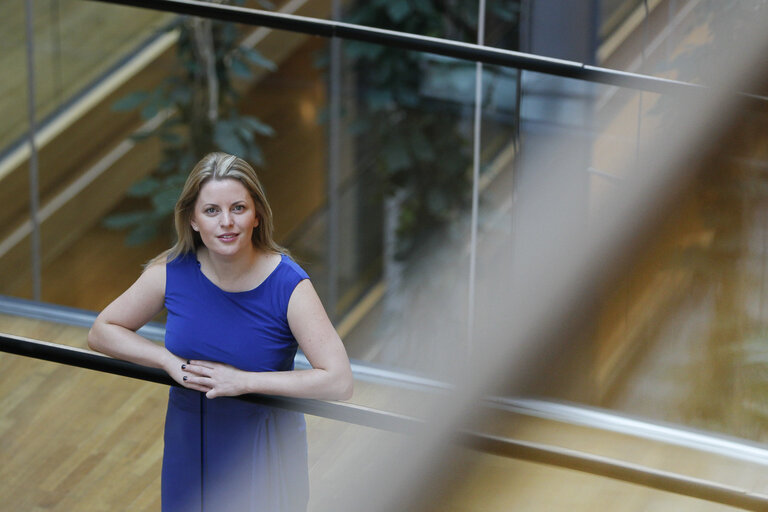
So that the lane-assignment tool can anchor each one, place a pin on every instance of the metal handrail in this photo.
(393, 422)
(446, 47)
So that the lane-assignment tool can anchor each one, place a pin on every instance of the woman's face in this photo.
(225, 216)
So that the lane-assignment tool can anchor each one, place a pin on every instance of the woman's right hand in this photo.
(175, 366)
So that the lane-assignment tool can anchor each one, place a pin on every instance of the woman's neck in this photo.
(230, 269)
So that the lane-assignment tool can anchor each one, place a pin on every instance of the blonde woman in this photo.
(238, 308)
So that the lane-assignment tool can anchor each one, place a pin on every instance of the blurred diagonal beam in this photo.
(368, 417)
(456, 49)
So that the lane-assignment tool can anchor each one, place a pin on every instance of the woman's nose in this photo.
(226, 219)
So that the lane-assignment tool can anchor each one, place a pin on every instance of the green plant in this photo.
(199, 104)
(421, 147)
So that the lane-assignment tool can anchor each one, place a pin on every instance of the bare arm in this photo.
(330, 377)
(113, 332)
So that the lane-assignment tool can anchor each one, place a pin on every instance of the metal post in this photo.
(475, 178)
(34, 201)
(333, 167)
(642, 70)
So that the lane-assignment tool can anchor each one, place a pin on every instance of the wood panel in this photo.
(74, 41)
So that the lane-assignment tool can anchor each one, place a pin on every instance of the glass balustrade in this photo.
(416, 233)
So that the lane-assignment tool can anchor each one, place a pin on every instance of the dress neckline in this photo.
(222, 290)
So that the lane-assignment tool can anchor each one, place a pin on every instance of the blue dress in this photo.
(224, 454)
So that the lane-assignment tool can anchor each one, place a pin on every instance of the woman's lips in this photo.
(227, 237)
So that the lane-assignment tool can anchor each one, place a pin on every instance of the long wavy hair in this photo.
(219, 166)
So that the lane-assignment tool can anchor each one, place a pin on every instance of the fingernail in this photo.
(185, 377)
(183, 367)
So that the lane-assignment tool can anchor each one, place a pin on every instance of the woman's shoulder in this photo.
(292, 268)
(180, 260)
(153, 276)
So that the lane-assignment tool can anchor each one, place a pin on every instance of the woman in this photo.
(238, 308)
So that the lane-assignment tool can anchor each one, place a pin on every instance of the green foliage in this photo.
(419, 146)
(189, 131)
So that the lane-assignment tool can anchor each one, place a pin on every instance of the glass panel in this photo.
(450, 20)
(411, 124)
(68, 57)
(502, 23)
(678, 336)
(15, 226)
(615, 12)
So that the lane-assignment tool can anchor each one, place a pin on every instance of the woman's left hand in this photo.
(221, 379)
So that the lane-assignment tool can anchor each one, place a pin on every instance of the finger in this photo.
(205, 364)
(202, 371)
(197, 381)
(196, 387)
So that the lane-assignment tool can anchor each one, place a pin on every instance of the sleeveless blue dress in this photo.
(224, 454)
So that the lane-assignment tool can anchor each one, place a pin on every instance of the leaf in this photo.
(239, 68)
(506, 11)
(356, 50)
(172, 138)
(144, 188)
(257, 126)
(408, 98)
(255, 155)
(165, 200)
(130, 101)
(142, 234)
(437, 202)
(359, 126)
(124, 220)
(245, 134)
(181, 94)
(257, 58)
(225, 138)
(150, 110)
(176, 181)
(186, 162)
(398, 10)
(378, 98)
(396, 157)
(421, 146)
(424, 6)
(166, 166)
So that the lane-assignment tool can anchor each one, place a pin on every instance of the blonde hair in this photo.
(219, 166)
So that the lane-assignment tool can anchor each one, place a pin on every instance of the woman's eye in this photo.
(210, 211)
(239, 208)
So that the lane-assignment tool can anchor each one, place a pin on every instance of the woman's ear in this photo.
(194, 225)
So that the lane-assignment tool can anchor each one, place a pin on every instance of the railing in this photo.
(448, 48)
(459, 50)
(383, 420)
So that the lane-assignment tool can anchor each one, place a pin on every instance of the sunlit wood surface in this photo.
(73, 439)
(74, 43)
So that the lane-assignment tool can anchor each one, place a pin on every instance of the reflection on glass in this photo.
(75, 43)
